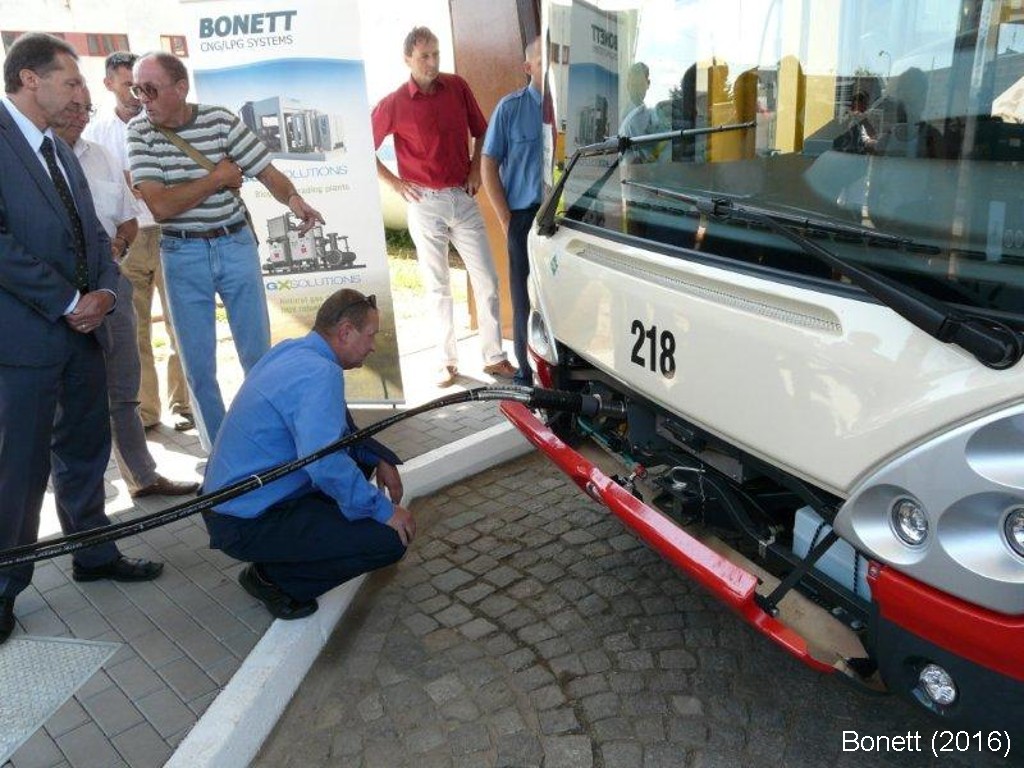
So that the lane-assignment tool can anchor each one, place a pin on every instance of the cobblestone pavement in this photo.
(528, 627)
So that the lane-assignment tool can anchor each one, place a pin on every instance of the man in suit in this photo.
(57, 284)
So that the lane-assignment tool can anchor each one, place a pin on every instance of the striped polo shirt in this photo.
(216, 133)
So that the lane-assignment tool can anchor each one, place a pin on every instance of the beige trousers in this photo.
(142, 268)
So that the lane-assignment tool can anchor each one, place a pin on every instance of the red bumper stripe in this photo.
(990, 639)
(728, 582)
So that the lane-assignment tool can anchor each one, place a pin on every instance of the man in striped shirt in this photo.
(207, 247)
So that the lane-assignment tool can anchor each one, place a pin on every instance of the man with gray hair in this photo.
(512, 170)
(187, 162)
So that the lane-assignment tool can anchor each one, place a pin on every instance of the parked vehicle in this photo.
(810, 300)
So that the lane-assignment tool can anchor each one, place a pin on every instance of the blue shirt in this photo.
(514, 140)
(292, 403)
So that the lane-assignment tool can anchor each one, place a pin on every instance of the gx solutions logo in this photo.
(299, 283)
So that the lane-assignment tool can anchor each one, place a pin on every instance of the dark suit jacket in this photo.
(37, 252)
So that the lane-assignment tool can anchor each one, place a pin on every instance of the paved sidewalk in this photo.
(186, 633)
(527, 627)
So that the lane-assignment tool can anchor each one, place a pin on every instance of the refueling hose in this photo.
(533, 397)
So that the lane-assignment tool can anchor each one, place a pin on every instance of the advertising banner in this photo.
(294, 74)
(593, 88)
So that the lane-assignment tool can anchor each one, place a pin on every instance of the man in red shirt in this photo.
(432, 117)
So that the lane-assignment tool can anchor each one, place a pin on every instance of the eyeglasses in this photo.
(150, 91)
(370, 301)
(88, 111)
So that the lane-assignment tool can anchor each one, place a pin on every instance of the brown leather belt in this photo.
(205, 234)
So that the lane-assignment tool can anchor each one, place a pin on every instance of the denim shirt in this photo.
(292, 403)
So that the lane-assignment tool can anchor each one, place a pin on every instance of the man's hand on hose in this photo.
(402, 521)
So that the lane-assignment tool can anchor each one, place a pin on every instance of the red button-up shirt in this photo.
(431, 130)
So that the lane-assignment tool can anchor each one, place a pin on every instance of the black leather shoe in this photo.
(280, 604)
(164, 487)
(6, 618)
(121, 569)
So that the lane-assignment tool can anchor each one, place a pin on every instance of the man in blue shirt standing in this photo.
(511, 171)
(326, 523)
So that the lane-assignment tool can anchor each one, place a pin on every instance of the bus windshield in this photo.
(904, 119)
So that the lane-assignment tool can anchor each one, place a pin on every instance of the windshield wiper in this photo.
(808, 221)
(992, 343)
(617, 145)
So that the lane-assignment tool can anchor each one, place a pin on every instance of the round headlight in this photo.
(937, 684)
(909, 522)
(1013, 529)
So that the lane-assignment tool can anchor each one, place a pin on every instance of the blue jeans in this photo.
(194, 271)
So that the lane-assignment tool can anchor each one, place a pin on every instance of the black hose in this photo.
(535, 397)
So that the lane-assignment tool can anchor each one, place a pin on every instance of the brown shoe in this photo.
(184, 422)
(502, 370)
(164, 487)
(447, 376)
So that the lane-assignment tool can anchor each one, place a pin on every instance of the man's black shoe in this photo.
(280, 604)
(121, 569)
(6, 618)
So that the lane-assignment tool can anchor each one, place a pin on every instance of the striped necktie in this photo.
(64, 192)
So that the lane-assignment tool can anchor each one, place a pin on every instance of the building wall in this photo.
(142, 23)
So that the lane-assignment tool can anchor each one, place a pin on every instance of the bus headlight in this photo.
(539, 338)
(909, 522)
(1013, 529)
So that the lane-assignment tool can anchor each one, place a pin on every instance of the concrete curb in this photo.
(234, 727)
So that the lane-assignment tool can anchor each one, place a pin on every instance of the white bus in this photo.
(804, 280)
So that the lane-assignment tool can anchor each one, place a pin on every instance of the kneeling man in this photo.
(326, 523)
